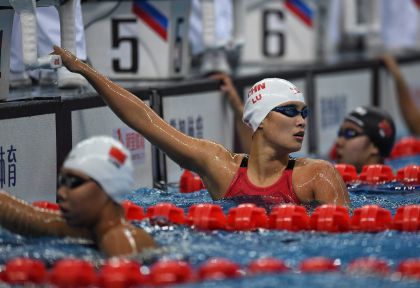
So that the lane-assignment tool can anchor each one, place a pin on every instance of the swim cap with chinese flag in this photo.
(264, 96)
(105, 160)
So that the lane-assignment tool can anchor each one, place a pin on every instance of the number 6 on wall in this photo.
(273, 33)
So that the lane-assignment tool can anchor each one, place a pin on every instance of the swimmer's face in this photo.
(286, 126)
(80, 198)
(353, 146)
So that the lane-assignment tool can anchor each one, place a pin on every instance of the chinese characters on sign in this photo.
(7, 166)
(333, 109)
(134, 142)
(190, 126)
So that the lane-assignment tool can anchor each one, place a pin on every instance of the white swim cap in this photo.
(264, 96)
(105, 160)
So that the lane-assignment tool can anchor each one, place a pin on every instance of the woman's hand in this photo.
(69, 60)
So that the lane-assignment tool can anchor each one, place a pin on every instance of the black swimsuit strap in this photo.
(244, 162)
(290, 164)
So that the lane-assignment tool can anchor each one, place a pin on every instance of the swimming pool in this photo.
(196, 247)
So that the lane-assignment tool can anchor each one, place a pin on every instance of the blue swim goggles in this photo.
(291, 111)
(70, 181)
(349, 133)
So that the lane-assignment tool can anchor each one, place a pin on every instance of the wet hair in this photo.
(377, 124)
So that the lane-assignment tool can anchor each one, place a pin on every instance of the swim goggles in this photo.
(291, 111)
(349, 133)
(71, 181)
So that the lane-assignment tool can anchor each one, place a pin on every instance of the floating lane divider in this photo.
(117, 272)
(378, 174)
(407, 146)
(249, 217)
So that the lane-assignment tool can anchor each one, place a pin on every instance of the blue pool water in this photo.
(243, 247)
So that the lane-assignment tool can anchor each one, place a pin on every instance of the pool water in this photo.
(196, 247)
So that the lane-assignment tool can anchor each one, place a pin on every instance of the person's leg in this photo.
(18, 76)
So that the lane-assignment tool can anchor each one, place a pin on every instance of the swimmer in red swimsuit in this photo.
(97, 172)
(276, 112)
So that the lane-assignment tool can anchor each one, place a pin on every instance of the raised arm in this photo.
(408, 108)
(207, 158)
(19, 217)
(185, 150)
(235, 101)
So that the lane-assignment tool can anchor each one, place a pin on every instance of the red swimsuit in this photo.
(279, 192)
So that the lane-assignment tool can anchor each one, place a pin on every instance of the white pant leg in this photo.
(16, 61)
(49, 30)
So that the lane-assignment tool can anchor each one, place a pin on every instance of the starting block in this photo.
(27, 13)
(139, 39)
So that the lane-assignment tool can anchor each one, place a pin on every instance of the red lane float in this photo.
(246, 217)
(408, 146)
(20, 271)
(267, 265)
(407, 218)
(73, 273)
(318, 265)
(376, 173)
(167, 210)
(410, 268)
(168, 272)
(369, 266)
(120, 273)
(409, 175)
(330, 218)
(133, 211)
(206, 216)
(218, 268)
(190, 182)
(347, 172)
(371, 218)
(289, 217)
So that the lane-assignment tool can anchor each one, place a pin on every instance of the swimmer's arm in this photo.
(408, 108)
(329, 187)
(20, 217)
(186, 151)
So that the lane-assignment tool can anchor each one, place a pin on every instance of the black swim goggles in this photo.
(70, 181)
(349, 133)
(291, 111)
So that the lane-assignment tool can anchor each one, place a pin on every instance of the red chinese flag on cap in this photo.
(117, 155)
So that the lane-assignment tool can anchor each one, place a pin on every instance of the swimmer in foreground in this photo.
(365, 137)
(276, 112)
(96, 173)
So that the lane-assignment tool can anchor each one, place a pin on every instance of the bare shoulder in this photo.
(125, 240)
(217, 153)
(313, 164)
